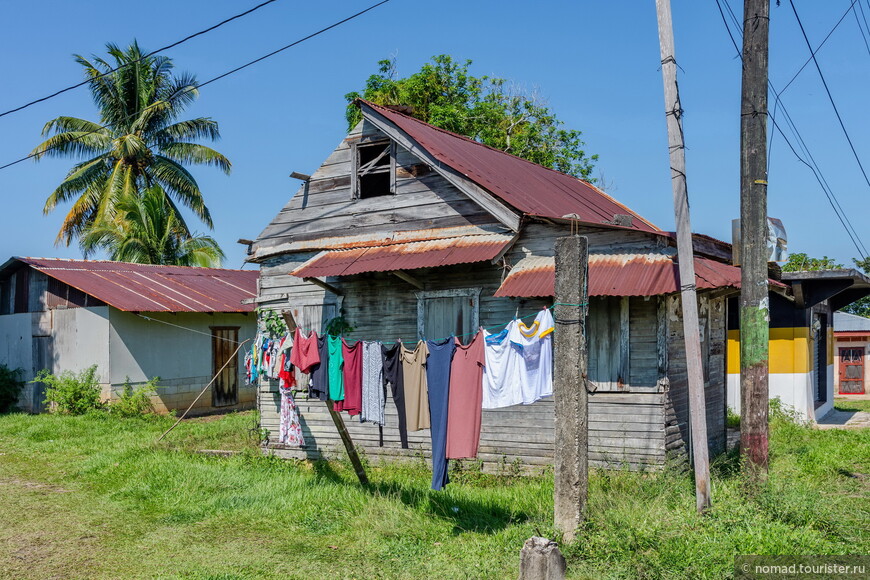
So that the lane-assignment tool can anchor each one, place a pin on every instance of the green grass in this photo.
(848, 404)
(96, 497)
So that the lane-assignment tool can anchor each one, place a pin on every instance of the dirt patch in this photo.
(33, 485)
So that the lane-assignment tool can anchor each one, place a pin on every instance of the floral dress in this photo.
(290, 430)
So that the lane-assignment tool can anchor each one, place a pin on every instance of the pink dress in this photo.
(465, 400)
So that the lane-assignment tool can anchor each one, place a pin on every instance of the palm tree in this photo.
(145, 230)
(138, 142)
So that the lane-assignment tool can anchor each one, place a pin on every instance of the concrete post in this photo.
(571, 397)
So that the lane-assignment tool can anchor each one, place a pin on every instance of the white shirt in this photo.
(501, 377)
(534, 347)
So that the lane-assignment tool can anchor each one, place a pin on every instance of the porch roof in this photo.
(405, 256)
(619, 275)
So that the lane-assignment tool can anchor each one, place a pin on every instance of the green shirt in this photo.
(336, 377)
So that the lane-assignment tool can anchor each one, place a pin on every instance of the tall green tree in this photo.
(489, 110)
(145, 230)
(137, 143)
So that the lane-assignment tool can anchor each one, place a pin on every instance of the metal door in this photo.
(852, 371)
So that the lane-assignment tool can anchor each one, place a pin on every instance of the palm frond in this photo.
(180, 184)
(196, 154)
(72, 143)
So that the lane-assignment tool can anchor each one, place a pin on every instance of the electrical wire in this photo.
(812, 165)
(830, 97)
(861, 28)
(208, 82)
(150, 54)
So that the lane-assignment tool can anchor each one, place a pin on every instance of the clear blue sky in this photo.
(596, 63)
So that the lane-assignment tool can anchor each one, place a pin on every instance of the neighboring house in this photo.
(802, 373)
(408, 231)
(133, 321)
(851, 343)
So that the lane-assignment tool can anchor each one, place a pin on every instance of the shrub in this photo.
(10, 387)
(133, 402)
(69, 393)
(732, 419)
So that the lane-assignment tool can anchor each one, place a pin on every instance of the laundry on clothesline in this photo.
(442, 385)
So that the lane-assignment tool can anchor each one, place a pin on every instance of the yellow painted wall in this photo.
(789, 351)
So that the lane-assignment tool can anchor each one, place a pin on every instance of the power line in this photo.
(208, 82)
(150, 54)
(813, 166)
(830, 97)
(861, 28)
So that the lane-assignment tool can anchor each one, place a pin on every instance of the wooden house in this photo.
(135, 322)
(410, 231)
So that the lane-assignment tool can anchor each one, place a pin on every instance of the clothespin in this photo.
(517, 313)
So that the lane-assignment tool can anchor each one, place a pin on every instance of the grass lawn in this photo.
(96, 497)
(849, 404)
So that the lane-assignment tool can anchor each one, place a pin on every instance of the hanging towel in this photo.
(438, 382)
(466, 397)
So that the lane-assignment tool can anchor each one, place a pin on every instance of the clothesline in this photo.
(488, 328)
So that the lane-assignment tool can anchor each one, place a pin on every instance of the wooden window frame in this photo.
(355, 166)
(473, 293)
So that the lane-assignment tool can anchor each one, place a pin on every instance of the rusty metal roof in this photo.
(149, 288)
(405, 256)
(530, 188)
(619, 275)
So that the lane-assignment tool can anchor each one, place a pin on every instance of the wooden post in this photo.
(570, 394)
(337, 419)
(754, 302)
(540, 559)
(685, 256)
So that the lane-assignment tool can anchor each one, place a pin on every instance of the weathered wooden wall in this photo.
(713, 323)
(420, 203)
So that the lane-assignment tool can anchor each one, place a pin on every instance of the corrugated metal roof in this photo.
(618, 275)
(404, 256)
(526, 186)
(845, 322)
(149, 288)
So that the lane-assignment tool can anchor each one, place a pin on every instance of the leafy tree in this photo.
(803, 262)
(146, 230)
(489, 110)
(860, 307)
(137, 143)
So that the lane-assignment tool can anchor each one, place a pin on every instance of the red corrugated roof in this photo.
(148, 288)
(619, 275)
(404, 256)
(526, 186)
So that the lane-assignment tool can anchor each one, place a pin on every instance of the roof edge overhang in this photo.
(839, 287)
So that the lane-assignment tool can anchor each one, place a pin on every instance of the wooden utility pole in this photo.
(569, 387)
(685, 256)
(754, 302)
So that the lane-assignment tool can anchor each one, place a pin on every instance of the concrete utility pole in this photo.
(754, 302)
(569, 387)
(685, 256)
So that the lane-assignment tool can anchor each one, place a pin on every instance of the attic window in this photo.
(374, 169)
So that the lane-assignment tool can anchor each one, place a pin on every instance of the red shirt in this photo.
(304, 354)
(352, 372)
